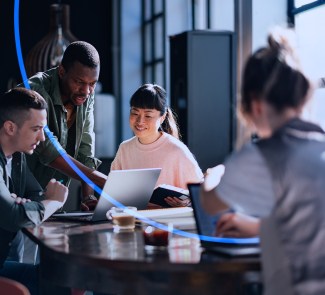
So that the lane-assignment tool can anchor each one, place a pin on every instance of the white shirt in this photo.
(9, 166)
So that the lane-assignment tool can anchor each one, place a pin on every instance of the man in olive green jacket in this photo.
(69, 92)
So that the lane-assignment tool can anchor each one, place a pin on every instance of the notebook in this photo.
(132, 187)
(206, 226)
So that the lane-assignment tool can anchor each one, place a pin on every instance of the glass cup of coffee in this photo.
(122, 218)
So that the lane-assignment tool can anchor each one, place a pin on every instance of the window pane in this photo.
(200, 14)
(312, 45)
(159, 38)
(311, 49)
(315, 109)
(147, 9)
(299, 3)
(147, 75)
(222, 15)
(148, 43)
(153, 41)
(159, 73)
(158, 6)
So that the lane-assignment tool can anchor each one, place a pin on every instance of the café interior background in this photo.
(133, 40)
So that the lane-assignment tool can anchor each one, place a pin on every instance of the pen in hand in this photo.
(42, 192)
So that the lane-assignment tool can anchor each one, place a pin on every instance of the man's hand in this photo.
(89, 203)
(56, 191)
(238, 225)
(19, 200)
(55, 196)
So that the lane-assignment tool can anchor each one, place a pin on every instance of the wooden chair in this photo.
(11, 287)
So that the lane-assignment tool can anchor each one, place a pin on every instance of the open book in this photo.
(163, 191)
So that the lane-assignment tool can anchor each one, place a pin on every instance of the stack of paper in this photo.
(180, 217)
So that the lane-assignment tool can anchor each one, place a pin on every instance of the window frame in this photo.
(309, 113)
(293, 10)
(150, 22)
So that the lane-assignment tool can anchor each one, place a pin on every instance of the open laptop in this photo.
(206, 227)
(132, 187)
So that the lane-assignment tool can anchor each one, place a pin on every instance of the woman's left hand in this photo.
(177, 202)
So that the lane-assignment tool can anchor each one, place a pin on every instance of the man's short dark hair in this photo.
(15, 104)
(82, 52)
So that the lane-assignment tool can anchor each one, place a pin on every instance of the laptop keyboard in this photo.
(73, 217)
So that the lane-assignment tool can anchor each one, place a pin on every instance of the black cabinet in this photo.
(203, 91)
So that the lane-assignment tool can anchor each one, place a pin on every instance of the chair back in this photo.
(11, 287)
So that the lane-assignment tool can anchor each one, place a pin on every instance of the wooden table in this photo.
(94, 257)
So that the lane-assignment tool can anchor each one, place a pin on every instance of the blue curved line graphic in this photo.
(89, 182)
(18, 46)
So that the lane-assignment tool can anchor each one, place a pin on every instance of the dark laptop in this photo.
(132, 187)
(206, 226)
